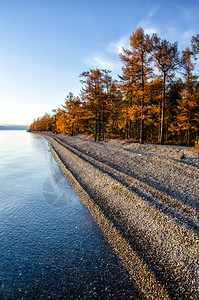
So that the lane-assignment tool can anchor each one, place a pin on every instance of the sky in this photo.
(46, 44)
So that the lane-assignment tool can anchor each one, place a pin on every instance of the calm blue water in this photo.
(50, 246)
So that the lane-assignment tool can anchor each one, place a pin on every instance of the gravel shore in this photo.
(149, 196)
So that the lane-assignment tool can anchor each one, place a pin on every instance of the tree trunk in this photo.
(166, 132)
(162, 112)
(142, 107)
(127, 128)
(130, 129)
(141, 129)
(130, 122)
(99, 129)
(160, 109)
(188, 136)
(72, 131)
(96, 127)
(103, 120)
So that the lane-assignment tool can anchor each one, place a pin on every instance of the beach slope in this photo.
(145, 200)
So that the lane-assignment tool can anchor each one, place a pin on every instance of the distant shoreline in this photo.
(14, 127)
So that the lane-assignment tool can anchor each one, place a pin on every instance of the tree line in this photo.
(155, 99)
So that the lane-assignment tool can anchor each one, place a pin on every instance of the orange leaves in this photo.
(148, 102)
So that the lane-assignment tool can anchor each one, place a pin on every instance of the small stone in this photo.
(182, 156)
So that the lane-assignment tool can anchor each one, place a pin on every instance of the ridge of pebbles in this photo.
(152, 225)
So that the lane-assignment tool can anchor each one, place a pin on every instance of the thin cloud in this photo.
(123, 42)
(148, 25)
(187, 35)
(151, 13)
(116, 47)
(99, 62)
(185, 38)
(186, 14)
(150, 30)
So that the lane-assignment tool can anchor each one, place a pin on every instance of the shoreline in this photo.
(116, 240)
(131, 241)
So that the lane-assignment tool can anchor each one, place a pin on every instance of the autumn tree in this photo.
(136, 72)
(72, 110)
(148, 104)
(195, 44)
(42, 124)
(94, 93)
(115, 109)
(173, 97)
(152, 110)
(61, 121)
(56, 112)
(33, 126)
(188, 116)
(166, 57)
(108, 82)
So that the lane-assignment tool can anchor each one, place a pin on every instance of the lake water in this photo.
(50, 245)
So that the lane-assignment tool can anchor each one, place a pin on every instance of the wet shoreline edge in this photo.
(146, 281)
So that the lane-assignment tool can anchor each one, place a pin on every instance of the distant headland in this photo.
(13, 127)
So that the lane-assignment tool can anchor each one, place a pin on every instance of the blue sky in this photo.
(46, 44)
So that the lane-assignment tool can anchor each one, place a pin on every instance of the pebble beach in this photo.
(145, 199)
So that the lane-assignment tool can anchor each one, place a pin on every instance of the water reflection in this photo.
(57, 191)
